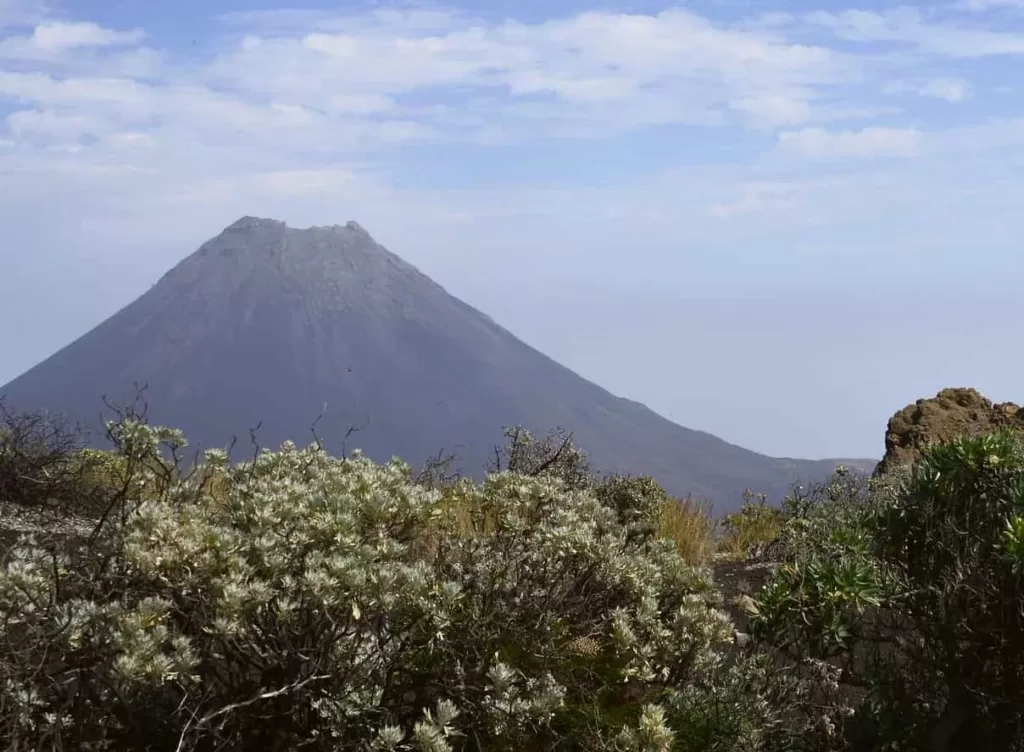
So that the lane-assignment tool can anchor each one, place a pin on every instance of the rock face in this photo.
(271, 325)
(951, 414)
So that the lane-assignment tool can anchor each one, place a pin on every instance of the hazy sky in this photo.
(776, 223)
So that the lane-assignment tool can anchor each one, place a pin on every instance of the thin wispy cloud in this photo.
(54, 37)
(951, 90)
(980, 6)
(818, 143)
(296, 91)
(909, 26)
(19, 12)
(576, 74)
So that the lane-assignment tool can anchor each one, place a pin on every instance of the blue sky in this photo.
(778, 223)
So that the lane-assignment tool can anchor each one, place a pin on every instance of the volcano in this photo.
(282, 328)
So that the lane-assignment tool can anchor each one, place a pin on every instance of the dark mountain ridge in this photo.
(266, 324)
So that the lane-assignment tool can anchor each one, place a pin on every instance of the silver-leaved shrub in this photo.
(304, 601)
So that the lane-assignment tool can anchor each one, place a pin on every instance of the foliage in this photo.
(300, 600)
(641, 505)
(555, 456)
(36, 467)
(748, 533)
(304, 601)
(912, 585)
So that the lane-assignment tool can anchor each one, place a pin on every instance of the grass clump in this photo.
(689, 524)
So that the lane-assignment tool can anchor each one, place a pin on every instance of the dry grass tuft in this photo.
(689, 524)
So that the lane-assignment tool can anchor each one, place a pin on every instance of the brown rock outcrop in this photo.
(949, 415)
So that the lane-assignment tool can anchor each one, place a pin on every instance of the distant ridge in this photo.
(265, 324)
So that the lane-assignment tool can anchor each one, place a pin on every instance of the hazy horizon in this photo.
(778, 225)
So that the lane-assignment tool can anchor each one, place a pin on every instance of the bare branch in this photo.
(206, 720)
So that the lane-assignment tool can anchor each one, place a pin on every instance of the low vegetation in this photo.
(912, 584)
(298, 600)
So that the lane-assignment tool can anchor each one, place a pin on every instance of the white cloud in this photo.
(58, 43)
(952, 90)
(757, 198)
(125, 95)
(818, 143)
(670, 67)
(295, 88)
(598, 89)
(28, 124)
(949, 89)
(978, 6)
(21, 12)
(294, 21)
(337, 183)
(1005, 135)
(55, 37)
(299, 118)
(774, 110)
(287, 94)
(909, 26)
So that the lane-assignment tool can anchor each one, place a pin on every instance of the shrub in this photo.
(748, 532)
(323, 603)
(639, 502)
(953, 543)
(36, 467)
(46, 479)
(554, 456)
(915, 589)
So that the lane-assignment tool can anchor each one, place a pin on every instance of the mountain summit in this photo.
(271, 325)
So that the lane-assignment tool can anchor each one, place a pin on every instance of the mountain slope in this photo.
(266, 323)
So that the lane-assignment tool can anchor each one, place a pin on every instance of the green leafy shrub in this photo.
(304, 601)
(952, 543)
(914, 588)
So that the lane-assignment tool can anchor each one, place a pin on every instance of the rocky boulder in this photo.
(950, 414)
